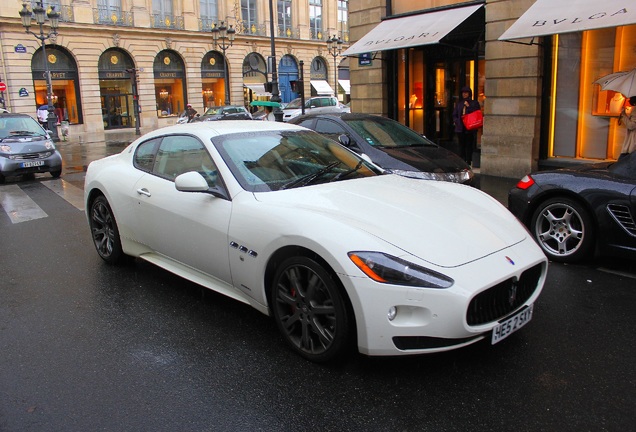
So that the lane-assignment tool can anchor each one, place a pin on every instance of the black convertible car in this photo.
(572, 212)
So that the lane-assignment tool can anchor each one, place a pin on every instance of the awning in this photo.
(322, 87)
(258, 89)
(346, 86)
(548, 17)
(422, 29)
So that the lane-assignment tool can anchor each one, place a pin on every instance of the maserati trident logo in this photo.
(512, 292)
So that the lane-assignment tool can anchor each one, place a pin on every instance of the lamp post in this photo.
(226, 35)
(334, 45)
(278, 113)
(54, 21)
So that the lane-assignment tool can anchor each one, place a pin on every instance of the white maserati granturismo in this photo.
(339, 253)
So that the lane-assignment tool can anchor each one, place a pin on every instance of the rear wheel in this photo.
(104, 231)
(56, 174)
(563, 228)
(309, 310)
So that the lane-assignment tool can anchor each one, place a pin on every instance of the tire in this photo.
(104, 231)
(564, 230)
(309, 309)
(56, 174)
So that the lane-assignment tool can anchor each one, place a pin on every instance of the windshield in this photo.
(295, 104)
(19, 126)
(269, 161)
(383, 132)
(214, 111)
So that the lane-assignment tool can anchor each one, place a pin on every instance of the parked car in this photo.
(26, 148)
(313, 105)
(572, 212)
(300, 228)
(390, 145)
(227, 112)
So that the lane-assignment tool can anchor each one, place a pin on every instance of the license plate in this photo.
(31, 164)
(511, 325)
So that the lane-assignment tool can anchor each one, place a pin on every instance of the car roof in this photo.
(343, 115)
(222, 127)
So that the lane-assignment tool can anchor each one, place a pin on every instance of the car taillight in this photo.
(525, 182)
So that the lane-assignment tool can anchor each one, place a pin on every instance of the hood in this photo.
(422, 158)
(442, 223)
(467, 89)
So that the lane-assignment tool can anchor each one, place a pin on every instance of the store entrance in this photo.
(117, 111)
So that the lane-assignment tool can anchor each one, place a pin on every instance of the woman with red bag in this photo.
(467, 138)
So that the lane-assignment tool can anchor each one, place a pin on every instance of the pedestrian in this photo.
(269, 114)
(628, 117)
(43, 115)
(467, 138)
(190, 112)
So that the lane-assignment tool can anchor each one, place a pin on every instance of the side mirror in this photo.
(344, 140)
(191, 182)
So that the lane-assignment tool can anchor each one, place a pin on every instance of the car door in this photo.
(188, 227)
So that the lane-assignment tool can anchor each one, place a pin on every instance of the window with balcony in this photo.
(315, 19)
(284, 8)
(208, 12)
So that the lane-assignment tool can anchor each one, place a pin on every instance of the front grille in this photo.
(31, 156)
(623, 216)
(500, 300)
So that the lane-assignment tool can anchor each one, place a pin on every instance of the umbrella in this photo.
(622, 82)
(265, 103)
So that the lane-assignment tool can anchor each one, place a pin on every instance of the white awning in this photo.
(548, 17)
(322, 87)
(346, 85)
(422, 29)
(258, 89)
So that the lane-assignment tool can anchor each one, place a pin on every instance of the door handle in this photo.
(143, 191)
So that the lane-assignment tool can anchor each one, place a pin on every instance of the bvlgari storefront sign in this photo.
(548, 17)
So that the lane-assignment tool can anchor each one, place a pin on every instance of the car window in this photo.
(329, 128)
(306, 123)
(19, 126)
(145, 155)
(178, 154)
(386, 133)
(267, 161)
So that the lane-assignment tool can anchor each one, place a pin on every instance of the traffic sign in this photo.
(3, 86)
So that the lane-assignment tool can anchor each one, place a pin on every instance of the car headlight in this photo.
(5, 148)
(388, 269)
(454, 177)
(49, 145)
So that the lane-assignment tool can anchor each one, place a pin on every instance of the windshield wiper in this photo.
(349, 171)
(302, 181)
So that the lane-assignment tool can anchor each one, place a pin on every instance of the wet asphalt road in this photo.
(85, 346)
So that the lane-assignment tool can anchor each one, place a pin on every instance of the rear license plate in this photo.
(511, 325)
(31, 164)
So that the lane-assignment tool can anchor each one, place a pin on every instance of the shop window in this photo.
(584, 118)
(170, 94)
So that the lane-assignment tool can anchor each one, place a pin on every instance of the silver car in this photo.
(26, 148)
(313, 105)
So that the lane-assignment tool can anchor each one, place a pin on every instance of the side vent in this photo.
(623, 216)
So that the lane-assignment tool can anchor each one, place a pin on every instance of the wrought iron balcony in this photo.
(167, 21)
(288, 32)
(112, 16)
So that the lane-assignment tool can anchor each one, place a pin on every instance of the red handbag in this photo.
(473, 120)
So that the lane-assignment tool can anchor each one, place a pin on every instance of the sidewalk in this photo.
(79, 151)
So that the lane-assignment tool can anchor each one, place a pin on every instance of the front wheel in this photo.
(309, 310)
(563, 228)
(104, 231)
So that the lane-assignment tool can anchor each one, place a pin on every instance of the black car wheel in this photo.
(309, 310)
(105, 232)
(56, 174)
(563, 229)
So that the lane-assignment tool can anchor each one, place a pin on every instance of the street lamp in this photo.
(334, 45)
(54, 21)
(224, 34)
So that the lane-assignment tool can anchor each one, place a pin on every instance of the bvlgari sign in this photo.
(548, 17)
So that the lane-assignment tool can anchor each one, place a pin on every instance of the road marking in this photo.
(18, 205)
(72, 194)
